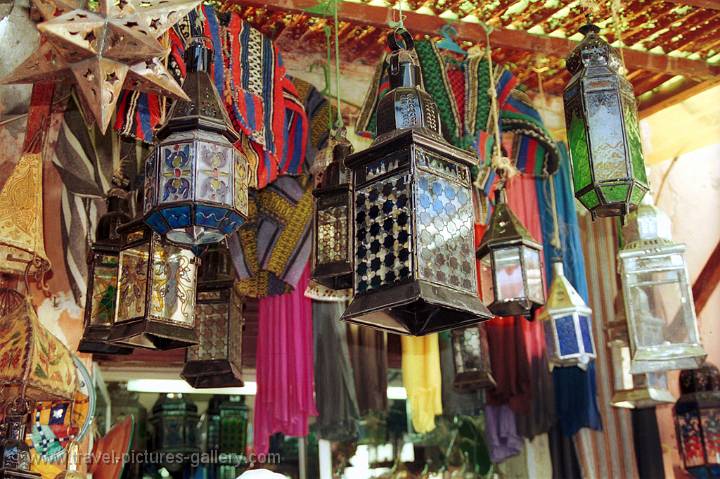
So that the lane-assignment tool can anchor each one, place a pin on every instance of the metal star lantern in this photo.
(106, 51)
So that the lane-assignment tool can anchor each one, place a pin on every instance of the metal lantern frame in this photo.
(602, 124)
(471, 358)
(148, 287)
(15, 458)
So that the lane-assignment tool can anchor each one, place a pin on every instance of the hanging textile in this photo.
(334, 383)
(575, 389)
(285, 382)
(319, 112)
(422, 379)
(454, 402)
(501, 433)
(368, 357)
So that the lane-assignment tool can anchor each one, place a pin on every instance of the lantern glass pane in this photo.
(577, 134)
(691, 442)
(710, 422)
(533, 274)
(133, 282)
(176, 172)
(607, 138)
(468, 355)
(486, 279)
(236, 329)
(508, 274)
(586, 334)
(550, 338)
(332, 234)
(212, 328)
(634, 142)
(173, 284)
(590, 199)
(567, 335)
(214, 173)
(104, 292)
(615, 193)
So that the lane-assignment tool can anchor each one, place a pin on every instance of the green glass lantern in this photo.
(603, 131)
(174, 420)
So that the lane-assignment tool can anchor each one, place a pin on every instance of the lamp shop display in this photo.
(413, 235)
(601, 119)
(196, 181)
(471, 358)
(511, 278)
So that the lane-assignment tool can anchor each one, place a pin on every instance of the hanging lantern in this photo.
(658, 297)
(103, 279)
(196, 181)
(156, 291)
(511, 281)
(332, 247)
(15, 459)
(697, 421)
(216, 361)
(603, 131)
(174, 420)
(233, 435)
(414, 271)
(568, 330)
(471, 357)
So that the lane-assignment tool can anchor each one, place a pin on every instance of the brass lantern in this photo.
(156, 291)
(603, 131)
(15, 459)
(216, 361)
(658, 297)
(102, 279)
(511, 278)
(697, 421)
(196, 181)
(567, 320)
(471, 358)
(174, 421)
(333, 266)
(413, 242)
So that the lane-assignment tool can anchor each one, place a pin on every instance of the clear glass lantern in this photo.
(471, 358)
(511, 277)
(697, 421)
(174, 421)
(658, 297)
(15, 459)
(216, 361)
(413, 241)
(155, 306)
(568, 327)
(603, 132)
(333, 260)
(102, 279)
(196, 181)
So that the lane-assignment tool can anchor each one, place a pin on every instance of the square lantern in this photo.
(414, 218)
(174, 420)
(15, 458)
(216, 360)
(635, 391)
(511, 278)
(471, 358)
(568, 327)
(155, 306)
(196, 181)
(332, 241)
(102, 280)
(603, 132)
(697, 421)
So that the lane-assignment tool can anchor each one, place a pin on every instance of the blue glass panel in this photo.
(585, 333)
(232, 222)
(177, 217)
(209, 216)
(566, 335)
(157, 223)
(549, 338)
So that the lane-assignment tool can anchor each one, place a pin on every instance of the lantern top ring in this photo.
(400, 39)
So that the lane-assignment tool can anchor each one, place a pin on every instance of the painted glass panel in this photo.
(607, 139)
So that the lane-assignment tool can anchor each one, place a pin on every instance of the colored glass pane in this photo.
(607, 139)
(579, 153)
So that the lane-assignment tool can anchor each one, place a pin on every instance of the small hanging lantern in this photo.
(414, 271)
(511, 281)
(658, 297)
(567, 320)
(156, 291)
(174, 420)
(196, 181)
(216, 361)
(233, 425)
(15, 459)
(103, 279)
(471, 357)
(697, 421)
(333, 266)
(602, 128)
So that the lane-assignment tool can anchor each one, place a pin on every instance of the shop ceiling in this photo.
(673, 46)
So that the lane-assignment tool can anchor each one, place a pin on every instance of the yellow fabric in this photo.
(46, 470)
(422, 379)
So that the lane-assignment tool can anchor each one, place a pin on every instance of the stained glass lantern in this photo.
(216, 361)
(414, 271)
(471, 358)
(196, 181)
(15, 459)
(103, 279)
(511, 278)
(568, 327)
(233, 435)
(155, 306)
(332, 247)
(658, 297)
(174, 421)
(602, 128)
(697, 421)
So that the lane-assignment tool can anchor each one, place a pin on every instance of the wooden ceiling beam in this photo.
(501, 37)
(709, 4)
(680, 91)
(707, 281)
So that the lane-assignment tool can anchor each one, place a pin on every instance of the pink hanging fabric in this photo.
(285, 381)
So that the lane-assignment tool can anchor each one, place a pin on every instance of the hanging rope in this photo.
(339, 123)
(615, 7)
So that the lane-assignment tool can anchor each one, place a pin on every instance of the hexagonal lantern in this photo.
(603, 132)
(196, 181)
(414, 271)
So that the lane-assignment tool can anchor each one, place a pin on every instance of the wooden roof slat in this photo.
(709, 4)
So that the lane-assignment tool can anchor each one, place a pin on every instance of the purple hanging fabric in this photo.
(501, 433)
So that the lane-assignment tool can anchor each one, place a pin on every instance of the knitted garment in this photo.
(422, 379)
